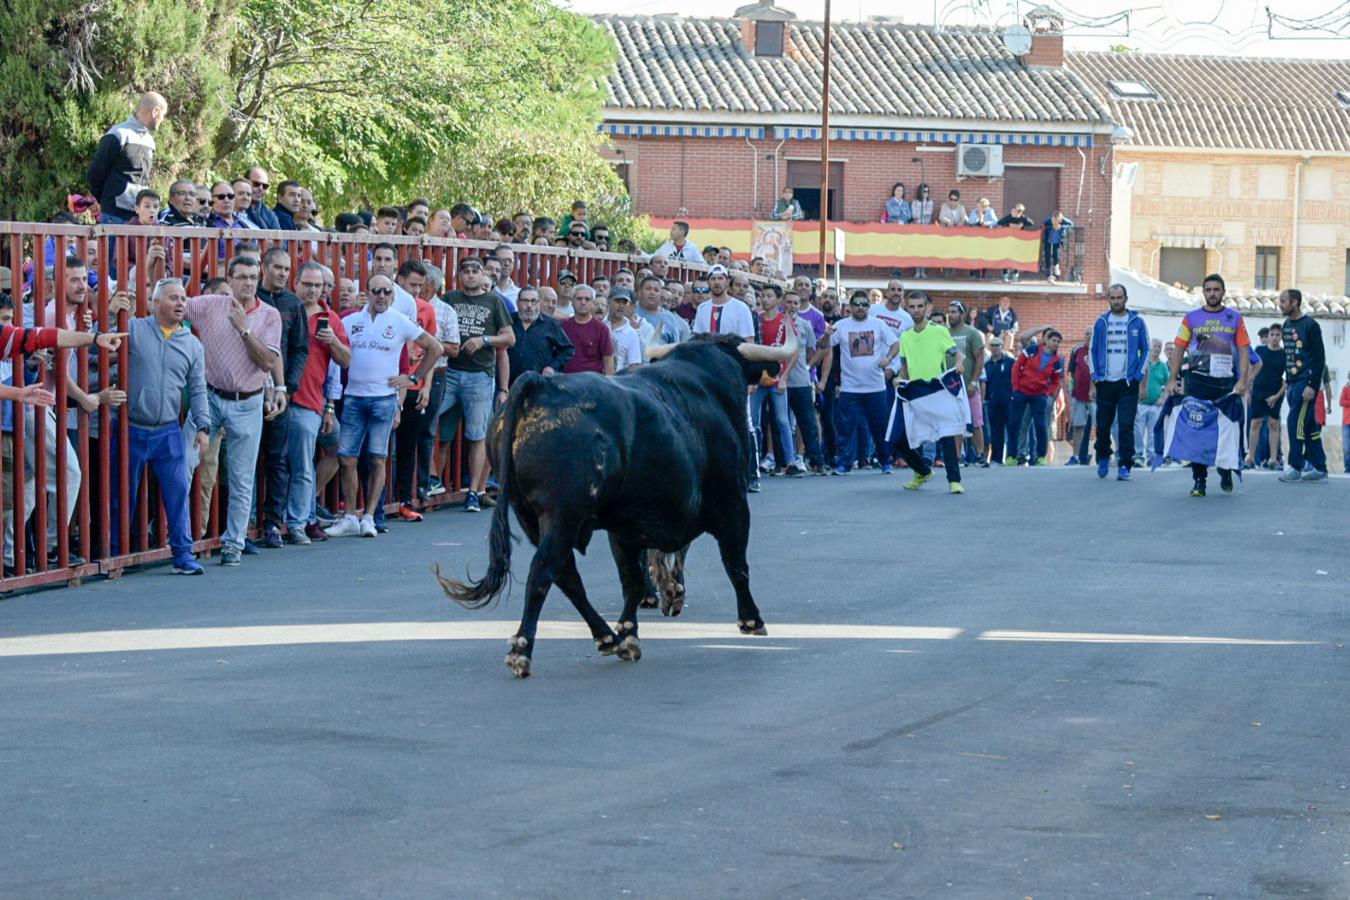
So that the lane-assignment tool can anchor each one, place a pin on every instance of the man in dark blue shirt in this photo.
(1305, 360)
(541, 344)
(998, 396)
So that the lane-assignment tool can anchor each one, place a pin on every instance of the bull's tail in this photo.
(477, 594)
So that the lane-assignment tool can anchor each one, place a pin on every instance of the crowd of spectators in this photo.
(320, 374)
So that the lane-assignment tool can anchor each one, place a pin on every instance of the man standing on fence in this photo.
(121, 165)
(242, 339)
(166, 359)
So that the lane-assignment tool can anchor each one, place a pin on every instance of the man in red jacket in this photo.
(1035, 379)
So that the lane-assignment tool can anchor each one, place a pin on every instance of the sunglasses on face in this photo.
(311, 284)
(381, 292)
(702, 290)
(261, 185)
(223, 196)
(580, 234)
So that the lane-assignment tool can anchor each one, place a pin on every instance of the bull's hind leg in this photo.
(549, 561)
(569, 580)
(628, 559)
(651, 591)
(667, 571)
(731, 541)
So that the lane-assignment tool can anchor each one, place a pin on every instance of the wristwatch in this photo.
(245, 332)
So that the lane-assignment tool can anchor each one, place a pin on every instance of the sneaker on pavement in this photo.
(1198, 489)
(956, 488)
(189, 567)
(487, 500)
(1010, 461)
(347, 526)
(1073, 461)
(984, 464)
(296, 536)
(272, 538)
(795, 469)
(1290, 475)
(755, 487)
(839, 470)
(315, 533)
(887, 468)
(1103, 467)
(229, 556)
(918, 481)
(436, 488)
(406, 513)
(471, 503)
(367, 526)
(1123, 473)
(1226, 481)
(324, 516)
(1041, 461)
(1314, 475)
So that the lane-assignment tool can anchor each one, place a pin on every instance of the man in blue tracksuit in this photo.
(998, 396)
(1118, 358)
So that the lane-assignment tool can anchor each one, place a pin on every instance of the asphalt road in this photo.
(283, 757)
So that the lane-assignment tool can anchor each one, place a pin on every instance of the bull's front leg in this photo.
(732, 549)
(628, 559)
(548, 561)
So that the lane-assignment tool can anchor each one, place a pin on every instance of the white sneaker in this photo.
(367, 527)
(347, 526)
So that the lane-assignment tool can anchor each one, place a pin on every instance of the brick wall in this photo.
(1249, 201)
(716, 178)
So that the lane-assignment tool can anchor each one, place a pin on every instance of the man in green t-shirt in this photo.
(970, 342)
(926, 352)
(1151, 400)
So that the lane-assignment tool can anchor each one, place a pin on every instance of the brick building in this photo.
(1235, 165)
(709, 118)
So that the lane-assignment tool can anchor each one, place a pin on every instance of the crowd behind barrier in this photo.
(84, 470)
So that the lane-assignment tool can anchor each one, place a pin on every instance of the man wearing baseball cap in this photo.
(567, 284)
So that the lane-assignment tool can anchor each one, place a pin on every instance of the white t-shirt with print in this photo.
(1117, 342)
(898, 320)
(376, 346)
(861, 346)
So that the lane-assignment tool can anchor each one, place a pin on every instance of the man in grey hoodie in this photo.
(165, 358)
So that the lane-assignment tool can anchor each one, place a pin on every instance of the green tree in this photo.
(72, 68)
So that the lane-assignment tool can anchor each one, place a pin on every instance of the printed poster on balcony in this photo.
(772, 242)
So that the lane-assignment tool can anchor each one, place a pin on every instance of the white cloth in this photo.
(734, 318)
(1117, 340)
(688, 253)
(864, 345)
(627, 347)
(447, 327)
(897, 320)
(376, 346)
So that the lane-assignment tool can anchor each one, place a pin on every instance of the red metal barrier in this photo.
(141, 255)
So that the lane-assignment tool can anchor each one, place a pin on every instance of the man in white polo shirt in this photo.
(373, 397)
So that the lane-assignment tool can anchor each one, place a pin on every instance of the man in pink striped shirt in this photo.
(242, 339)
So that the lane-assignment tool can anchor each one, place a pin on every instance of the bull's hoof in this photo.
(630, 649)
(648, 603)
(672, 606)
(607, 646)
(752, 626)
(624, 628)
(519, 664)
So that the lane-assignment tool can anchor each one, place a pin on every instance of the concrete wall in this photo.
(1247, 201)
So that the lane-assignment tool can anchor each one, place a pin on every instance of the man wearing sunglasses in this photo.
(576, 237)
(867, 350)
(261, 214)
(371, 400)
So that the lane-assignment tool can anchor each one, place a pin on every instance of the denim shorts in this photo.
(366, 425)
(468, 395)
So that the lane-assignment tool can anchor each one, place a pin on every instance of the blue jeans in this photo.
(785, 446)
(468, 395)
(1345, 446)
(242, 421)
(853, 410)
(300, 440)
(1305, 435)
(1039, 440)
(162, 449)
(801, 400)
(366, 425)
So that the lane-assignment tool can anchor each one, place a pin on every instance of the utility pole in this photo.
(825, 145)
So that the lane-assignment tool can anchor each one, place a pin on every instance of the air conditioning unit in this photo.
(979, 160)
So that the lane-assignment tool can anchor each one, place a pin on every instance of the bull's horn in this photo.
(659, 351)
(763, 353)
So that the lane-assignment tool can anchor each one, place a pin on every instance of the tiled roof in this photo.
(678, 64)
(1226, 102)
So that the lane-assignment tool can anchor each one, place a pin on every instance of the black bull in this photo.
(655, 457)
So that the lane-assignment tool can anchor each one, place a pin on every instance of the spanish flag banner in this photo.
(883, 246)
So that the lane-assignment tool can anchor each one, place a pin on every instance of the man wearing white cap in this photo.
(723, 313)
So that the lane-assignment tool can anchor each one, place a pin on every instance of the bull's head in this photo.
(760, 362)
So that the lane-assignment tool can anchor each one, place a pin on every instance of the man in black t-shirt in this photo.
(1305, 363)
(1267, 395)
